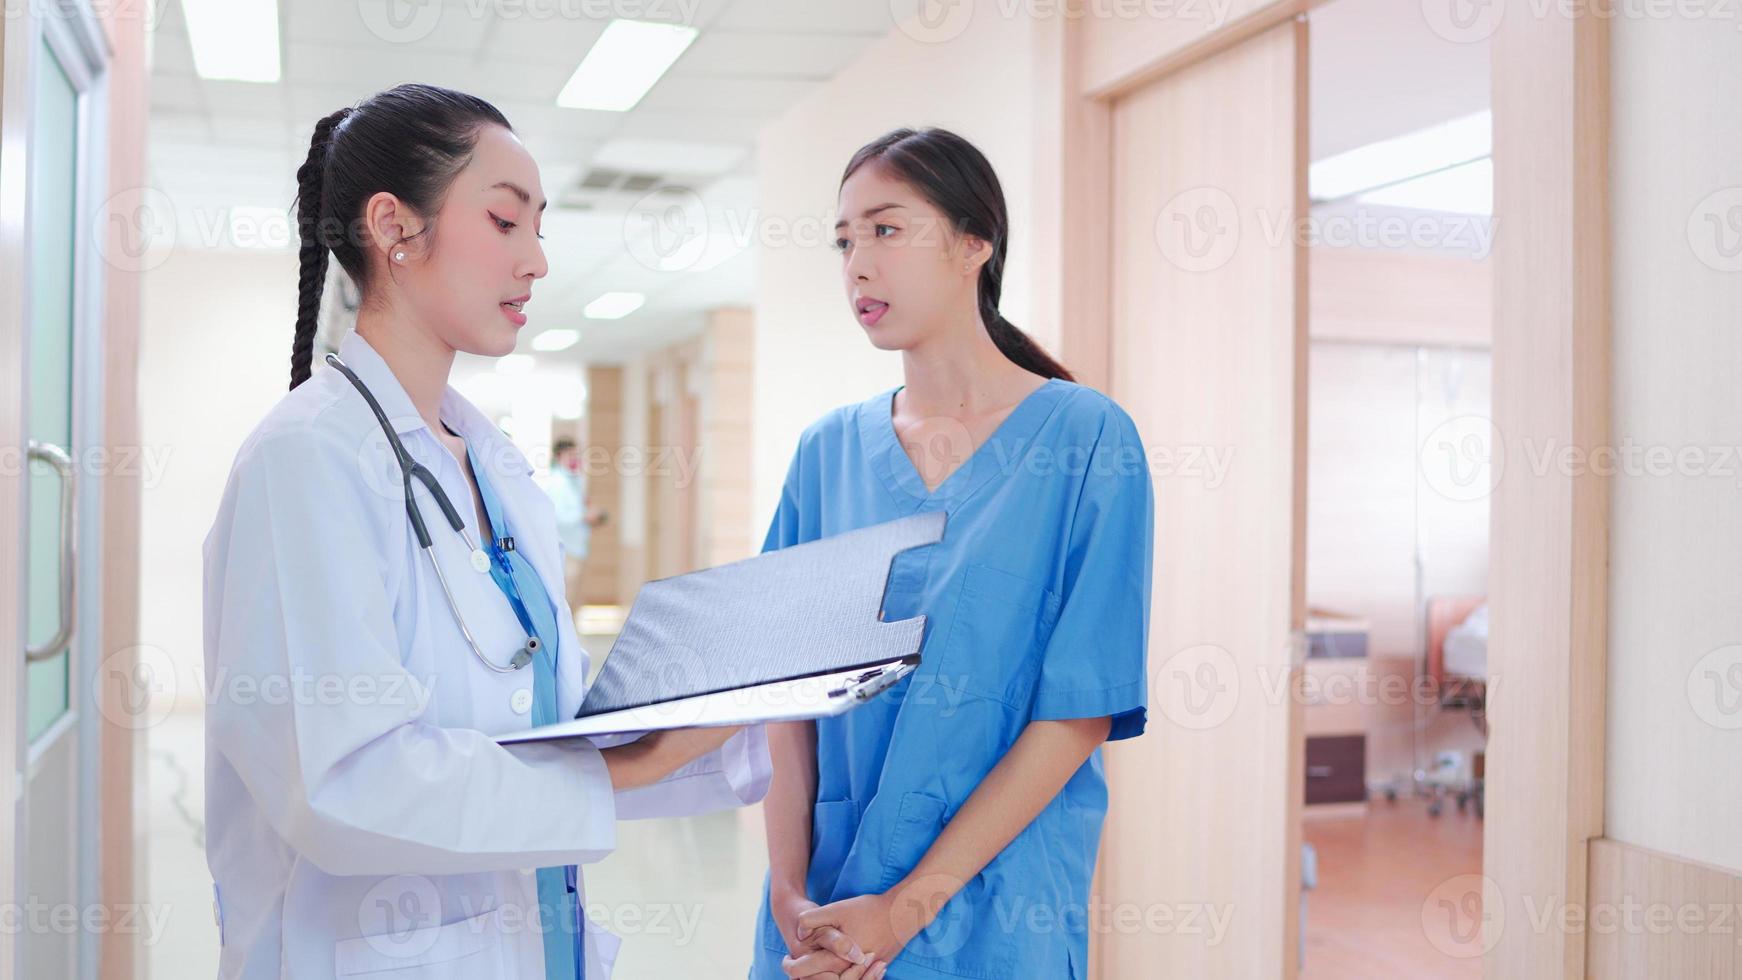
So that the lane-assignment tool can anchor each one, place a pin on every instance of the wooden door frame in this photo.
(1552, 370)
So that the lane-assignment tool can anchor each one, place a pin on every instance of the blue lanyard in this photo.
(563, 947)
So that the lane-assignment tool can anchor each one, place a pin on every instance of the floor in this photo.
(681, 893)
(1399, 894)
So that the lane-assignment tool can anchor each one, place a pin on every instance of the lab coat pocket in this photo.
(467, 948)
(1000, 625)
(834, 827)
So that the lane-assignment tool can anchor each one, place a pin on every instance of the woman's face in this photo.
(482, 254)
(907, 273)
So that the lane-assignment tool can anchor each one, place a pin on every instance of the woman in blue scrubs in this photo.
(949, 828)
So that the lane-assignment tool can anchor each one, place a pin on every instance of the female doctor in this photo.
(361, 820)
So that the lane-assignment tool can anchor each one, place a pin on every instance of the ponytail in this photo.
(956, 177)
(1019, 347)
(312, 256)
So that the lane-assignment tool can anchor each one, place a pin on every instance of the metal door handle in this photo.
(58, 458)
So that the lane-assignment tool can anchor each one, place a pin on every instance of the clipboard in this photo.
(789, 635)
(803, 699)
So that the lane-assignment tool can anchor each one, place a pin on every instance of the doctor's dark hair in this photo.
(958, 180)
(410, 141)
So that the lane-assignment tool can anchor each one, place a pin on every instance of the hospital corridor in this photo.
(862, 489)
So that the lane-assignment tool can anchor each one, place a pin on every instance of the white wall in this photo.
(214, 357)
(1675, 558)
(810, 353)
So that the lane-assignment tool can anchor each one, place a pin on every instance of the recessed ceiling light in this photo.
(614, 306)
(559, 338)
(235, 40)
(623, 64)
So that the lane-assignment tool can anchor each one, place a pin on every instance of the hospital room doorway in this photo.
(1399, 434)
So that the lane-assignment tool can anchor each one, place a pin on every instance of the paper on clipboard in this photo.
(804, 699)
(724, 641)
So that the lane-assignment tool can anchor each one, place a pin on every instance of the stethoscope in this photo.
(410, 468)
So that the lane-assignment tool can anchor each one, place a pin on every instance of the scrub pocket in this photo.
(1000, 626)
(966, 939)
(468, 948)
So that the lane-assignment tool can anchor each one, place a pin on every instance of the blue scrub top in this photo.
(1037, 606)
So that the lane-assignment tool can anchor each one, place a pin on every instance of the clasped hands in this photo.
(855, 938)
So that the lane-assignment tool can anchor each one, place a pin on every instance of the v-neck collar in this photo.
(998, 453)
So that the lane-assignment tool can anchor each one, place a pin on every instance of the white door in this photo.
(57, 55)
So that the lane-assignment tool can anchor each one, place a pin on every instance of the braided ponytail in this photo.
(310, 178)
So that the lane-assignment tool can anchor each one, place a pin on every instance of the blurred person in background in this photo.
(575, 515)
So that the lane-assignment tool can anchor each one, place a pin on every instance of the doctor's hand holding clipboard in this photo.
(383, 560)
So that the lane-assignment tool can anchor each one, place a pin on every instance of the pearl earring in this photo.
(399, 256)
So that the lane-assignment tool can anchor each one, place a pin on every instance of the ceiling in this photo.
(217, 146)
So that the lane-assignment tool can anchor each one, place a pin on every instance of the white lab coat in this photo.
(359, 817)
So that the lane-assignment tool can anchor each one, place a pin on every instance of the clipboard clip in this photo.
(868, 684)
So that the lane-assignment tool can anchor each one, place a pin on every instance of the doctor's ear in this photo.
(387, 224)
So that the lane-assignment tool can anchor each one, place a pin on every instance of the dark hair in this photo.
(562, 445)
(410, 141)
(958, 180)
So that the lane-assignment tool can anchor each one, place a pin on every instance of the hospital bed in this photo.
(1457, 663)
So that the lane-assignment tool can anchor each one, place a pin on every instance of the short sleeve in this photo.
(1094, 665)
(790, 525)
